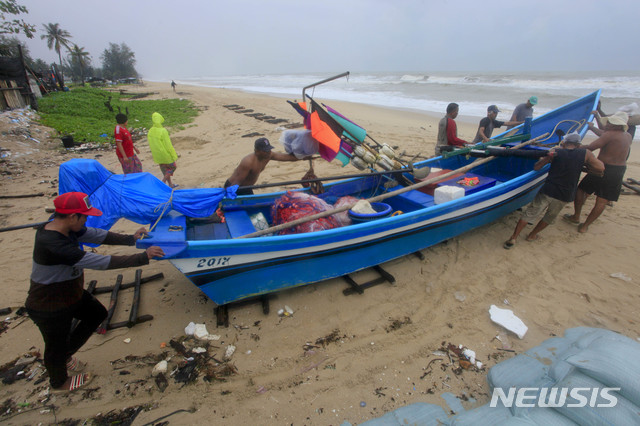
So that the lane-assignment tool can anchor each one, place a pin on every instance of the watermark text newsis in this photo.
(555, 397)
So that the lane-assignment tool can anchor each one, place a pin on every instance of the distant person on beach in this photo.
(125, 149)
(173, 85)
(560, 186)
(614, 145)
(250, 167)
(488, 123)
(448, 130)
(56, 294)
(161, 148)
(523, 110)
(634, 119)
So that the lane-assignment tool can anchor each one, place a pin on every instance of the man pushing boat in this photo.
(250, 167)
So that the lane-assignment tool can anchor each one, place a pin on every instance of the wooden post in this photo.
(112, 306)
(133, 315)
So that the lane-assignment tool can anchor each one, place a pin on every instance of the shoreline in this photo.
(335, 351)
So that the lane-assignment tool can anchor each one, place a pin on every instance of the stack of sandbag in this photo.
(582, 364)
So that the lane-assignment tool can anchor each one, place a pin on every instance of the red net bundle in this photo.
(294, 205)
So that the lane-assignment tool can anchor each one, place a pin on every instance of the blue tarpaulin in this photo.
(139, 197)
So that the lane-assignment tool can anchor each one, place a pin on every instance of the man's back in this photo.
(562, 180)
(614, 147)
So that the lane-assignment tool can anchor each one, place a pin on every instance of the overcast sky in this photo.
(175, 39)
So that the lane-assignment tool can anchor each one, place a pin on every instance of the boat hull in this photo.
(237, 272)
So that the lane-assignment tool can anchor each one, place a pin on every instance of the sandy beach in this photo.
(337, 358)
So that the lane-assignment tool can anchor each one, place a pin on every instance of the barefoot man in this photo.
(560, 186)
(250, 167)
(614, 145)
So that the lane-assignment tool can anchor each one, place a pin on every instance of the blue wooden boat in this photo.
(228, 266)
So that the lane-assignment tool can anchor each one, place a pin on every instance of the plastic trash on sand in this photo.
(199, 331)
(508, 320)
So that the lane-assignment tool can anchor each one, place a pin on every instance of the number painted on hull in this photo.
(213, 262)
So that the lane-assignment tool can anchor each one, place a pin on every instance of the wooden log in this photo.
(39, 194)
(140, 319)
(112, 306)
(133, 315)
(28, 225)
(101, 290)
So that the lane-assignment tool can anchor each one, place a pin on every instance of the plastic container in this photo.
(442, 194)
(382, 210)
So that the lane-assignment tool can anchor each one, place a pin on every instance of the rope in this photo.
(577, 125)
(164, 207)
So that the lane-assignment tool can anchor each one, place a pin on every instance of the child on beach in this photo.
(125, 150)
(161, 148)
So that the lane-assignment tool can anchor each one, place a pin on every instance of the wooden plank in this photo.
(18, 96)
(9, 95)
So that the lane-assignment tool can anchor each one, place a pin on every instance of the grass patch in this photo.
(83, 113)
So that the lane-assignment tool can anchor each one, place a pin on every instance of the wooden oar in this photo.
(385, 195)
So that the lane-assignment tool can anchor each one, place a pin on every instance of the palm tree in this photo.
(79, 56)
(56, 38)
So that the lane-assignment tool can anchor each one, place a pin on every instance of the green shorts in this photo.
(542, 201)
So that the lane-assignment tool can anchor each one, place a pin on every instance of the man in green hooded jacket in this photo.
(161, 148)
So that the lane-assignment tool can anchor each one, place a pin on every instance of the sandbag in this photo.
(610, 361)
(484, 415)
(419, 413)
(546, 417)
(624, 413)
(519, 371)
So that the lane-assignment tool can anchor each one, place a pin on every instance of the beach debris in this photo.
(397, 324)
(160, 367)
(161, 382)
(621, 275)
(460, 297)
(127, 340)
(21, 367)
(332, 337)
(228, 353)
(199, 331)
(261, 389)
(502, 338)
(507, 319)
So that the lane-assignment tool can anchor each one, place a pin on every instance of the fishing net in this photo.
(294, 205)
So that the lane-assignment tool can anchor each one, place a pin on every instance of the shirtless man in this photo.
(614, 145)
(249, 169)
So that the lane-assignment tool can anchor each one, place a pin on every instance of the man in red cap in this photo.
(57, 296)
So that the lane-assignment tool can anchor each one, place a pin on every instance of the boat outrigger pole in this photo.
(335, 77)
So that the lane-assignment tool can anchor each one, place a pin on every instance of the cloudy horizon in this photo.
(194, 39)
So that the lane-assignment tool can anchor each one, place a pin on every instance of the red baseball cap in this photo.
(75, 202)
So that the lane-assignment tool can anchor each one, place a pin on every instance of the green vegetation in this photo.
(84, 113)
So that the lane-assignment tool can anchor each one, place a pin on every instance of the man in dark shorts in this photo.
(614, 145)
(560, 186)
(250, 167)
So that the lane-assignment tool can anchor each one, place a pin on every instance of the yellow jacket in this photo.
(159, 142)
